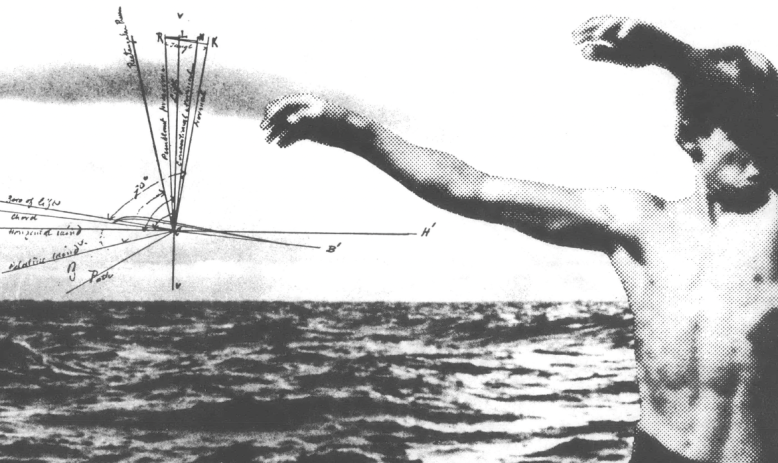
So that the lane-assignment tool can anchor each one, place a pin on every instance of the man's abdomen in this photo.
(708, 380)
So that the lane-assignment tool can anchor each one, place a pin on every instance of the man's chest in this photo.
(734, 262)
(710, 286)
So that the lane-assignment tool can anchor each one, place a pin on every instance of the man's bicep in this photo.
(595, 219)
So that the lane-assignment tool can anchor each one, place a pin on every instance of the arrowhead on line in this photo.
(179, 15)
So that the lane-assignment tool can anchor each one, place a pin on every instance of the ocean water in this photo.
(316, 382)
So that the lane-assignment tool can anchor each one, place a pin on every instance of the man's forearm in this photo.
(435, 176)
(680, 58)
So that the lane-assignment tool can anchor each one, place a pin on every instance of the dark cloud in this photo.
(229, 91)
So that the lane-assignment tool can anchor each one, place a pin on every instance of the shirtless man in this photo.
(700, 273)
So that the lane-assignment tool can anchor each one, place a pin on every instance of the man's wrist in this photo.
(676, 56)
(359, 132)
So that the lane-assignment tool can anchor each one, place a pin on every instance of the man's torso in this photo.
(705, 299)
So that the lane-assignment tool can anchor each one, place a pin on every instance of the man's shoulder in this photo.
(630, 206)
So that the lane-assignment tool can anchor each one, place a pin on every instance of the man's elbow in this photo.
(458, 193)
(465, 187)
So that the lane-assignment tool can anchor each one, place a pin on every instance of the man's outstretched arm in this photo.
(635, 43)
(589, 219)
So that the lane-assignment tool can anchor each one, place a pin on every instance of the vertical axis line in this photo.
(173, 279)
(189, 148)
(148, 116)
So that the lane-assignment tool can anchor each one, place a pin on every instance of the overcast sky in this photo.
(498, 84)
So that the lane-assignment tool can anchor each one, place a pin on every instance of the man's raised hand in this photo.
(304, 117)
(624, 41)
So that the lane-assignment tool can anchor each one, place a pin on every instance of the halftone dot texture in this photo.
(736, 89)
(706, 331)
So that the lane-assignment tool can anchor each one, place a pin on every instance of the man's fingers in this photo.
(597, 51)
(598, 28)
(287, 139)
(281, 116)
(607, 30)
(281, 103)
(585, 29)
(626, 28)
(276, 130)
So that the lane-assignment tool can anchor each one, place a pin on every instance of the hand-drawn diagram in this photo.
(152, 213)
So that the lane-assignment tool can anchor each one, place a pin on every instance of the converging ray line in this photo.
(142, 218)
(251, 238)
(167, 108)
(120, 262)
(283, 232)
(238, 238)
(104, 221)
(85, 252)
(226, 237)
(185, 167)
(187, 125)
(148, 116)
(295, 232)
(147, 188)
(176, 180)
(80, 229)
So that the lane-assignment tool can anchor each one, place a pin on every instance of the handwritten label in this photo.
(128, 39)
(98, 278)
(56, 255)
(200, 109)
(29, 233)
(41, 202)
(25, 217)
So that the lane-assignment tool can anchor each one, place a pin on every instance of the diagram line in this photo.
(176, 180)
(173, 265)
(181, 39)
(260, 240)
(105, 220)
(85, 252)
(148, 116)
(294, 232)
(231, 237)
(80, 229)
(134, 198)
(167, 107)
(159, 195)
(151, 217)
(187, 124)
(66, 218)
(120, 262)
(140, 218)
(284, 232)
(185, 169)
(213, 235)
(123, 205)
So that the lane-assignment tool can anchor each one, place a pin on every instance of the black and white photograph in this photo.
(414, 232)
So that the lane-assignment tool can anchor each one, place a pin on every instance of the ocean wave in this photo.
(310, 381)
